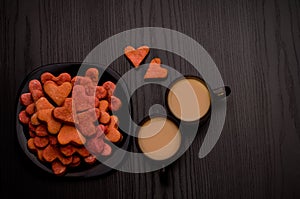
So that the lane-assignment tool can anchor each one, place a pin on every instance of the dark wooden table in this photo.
(256, 46)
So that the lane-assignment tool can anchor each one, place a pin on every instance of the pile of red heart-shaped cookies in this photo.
(70, 119)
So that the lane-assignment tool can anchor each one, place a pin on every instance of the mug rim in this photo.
(202, 119)
(157, 115)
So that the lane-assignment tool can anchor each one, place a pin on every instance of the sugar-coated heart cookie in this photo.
(57, 93)
(155, 71)
(69, 134)
(136, 56)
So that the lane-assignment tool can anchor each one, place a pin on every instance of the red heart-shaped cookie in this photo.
(69, 134)
(155, 70)
(57, 93)
(65, 113)
(136, 56)
(59, 80)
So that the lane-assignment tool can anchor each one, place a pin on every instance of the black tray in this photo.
(72, 68)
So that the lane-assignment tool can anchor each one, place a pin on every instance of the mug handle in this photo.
(221, 93)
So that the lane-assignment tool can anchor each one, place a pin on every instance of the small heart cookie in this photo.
(52, 153)
(81, 101)
(69, 134)
(136, 56)
(93, 74)
(36, 89)
(155, 70)
(70, 149)
(53, 125)
(59, 80)
(64, 113)
(86, 121)
(57, 93)
(43, 103)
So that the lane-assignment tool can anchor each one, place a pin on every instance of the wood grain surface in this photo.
(256, 46)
